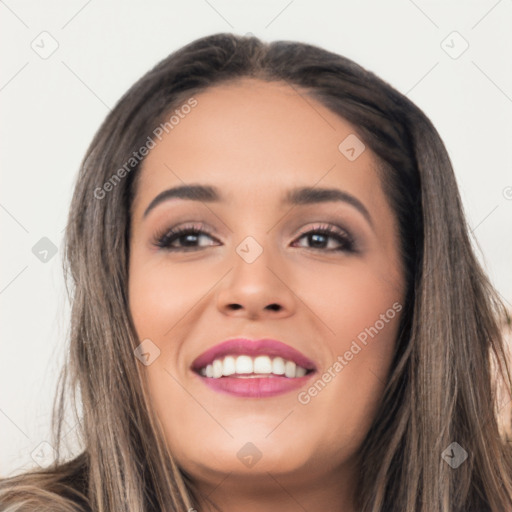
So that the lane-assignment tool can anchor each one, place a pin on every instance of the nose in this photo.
(257, 290)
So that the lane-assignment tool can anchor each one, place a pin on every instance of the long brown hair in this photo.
(442, 384)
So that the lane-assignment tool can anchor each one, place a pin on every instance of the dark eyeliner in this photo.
(165, 237)
(343, 237)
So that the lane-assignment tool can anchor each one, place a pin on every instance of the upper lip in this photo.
(246, 346)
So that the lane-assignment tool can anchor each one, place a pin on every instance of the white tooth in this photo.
(289, 369)
(255, 376)
(243, 364)
(262, 364)
(217, 368)
(278, 366)
(246, 366)
(228, 367)
(300, 372)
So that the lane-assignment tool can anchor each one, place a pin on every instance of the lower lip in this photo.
(255, 387)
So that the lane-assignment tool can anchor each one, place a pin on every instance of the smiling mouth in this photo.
(250, 367)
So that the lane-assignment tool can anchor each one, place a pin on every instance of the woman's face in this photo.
(262, 268)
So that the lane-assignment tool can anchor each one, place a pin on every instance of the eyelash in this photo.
(164, 239)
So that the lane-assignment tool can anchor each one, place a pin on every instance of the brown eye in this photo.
(187, 238)
(181, 239)
(319, 239)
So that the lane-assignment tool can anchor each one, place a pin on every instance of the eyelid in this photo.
(332, 231)
(185, 227)
(348, 243)
(330, 228)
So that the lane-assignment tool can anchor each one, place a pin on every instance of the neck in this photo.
(261, 492)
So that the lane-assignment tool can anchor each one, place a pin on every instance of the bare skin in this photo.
(254, 141)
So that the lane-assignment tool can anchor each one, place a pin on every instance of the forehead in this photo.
(251, 134)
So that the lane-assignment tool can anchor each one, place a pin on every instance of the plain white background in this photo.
(51, 106)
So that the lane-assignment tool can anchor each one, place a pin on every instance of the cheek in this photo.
(349, 299)
(361, 315)
(160, 293)
(359, 307)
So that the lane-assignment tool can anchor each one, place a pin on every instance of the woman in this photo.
(334, 343)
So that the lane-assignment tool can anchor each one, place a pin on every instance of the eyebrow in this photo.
(297, 196)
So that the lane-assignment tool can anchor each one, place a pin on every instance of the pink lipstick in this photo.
(253, 368)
